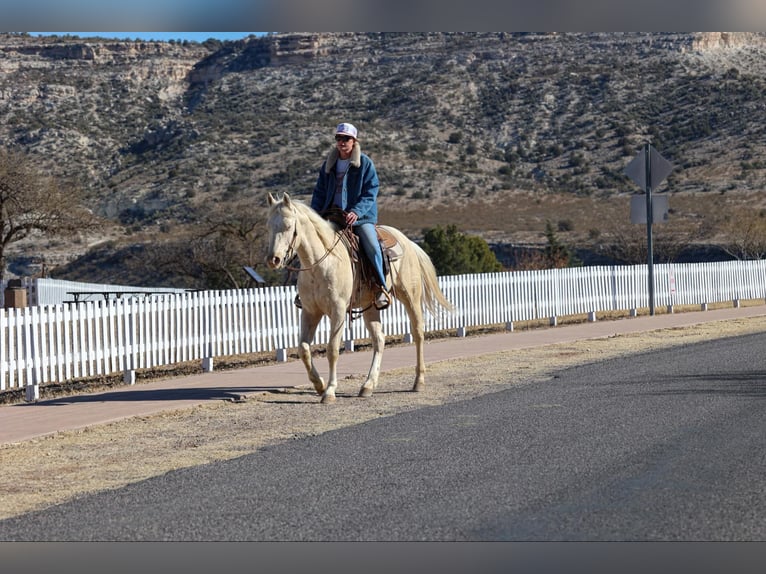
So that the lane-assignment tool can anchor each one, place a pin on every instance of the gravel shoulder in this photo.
(50, 470)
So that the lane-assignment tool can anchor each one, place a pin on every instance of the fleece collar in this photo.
(355, 159)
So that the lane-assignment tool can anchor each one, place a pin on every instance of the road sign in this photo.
(253, 274)
(659, 167)
(660, 208)
(648, 169)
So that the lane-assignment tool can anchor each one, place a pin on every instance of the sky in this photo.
(162, 36)
(387, 15)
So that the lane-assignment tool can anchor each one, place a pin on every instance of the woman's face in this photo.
(345, 144)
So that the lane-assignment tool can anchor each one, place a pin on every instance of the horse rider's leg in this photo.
(309, 325)
(368, 239)
(333, 352)
(375, 329)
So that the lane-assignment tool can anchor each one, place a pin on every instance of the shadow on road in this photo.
(136, 395)
(745, 384)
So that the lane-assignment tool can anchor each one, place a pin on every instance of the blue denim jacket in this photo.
(360, 188)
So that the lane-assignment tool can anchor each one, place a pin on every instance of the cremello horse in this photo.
(326, 287)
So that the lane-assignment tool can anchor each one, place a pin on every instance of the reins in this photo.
(291, 250)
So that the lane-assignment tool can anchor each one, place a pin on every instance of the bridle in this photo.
(290, 255)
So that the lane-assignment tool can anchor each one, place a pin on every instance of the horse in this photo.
(328, 285)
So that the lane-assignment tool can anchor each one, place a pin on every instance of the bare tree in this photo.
(745, 234)
(31, 202)
(229, 237)
(628, 244)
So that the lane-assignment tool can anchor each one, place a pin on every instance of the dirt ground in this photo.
(39, 473)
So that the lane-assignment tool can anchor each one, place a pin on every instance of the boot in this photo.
(297, 302)
(382, 300)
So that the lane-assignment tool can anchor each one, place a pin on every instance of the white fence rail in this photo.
(59, 342)
(54, 291)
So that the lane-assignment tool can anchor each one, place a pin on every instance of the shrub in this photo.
(454, 253)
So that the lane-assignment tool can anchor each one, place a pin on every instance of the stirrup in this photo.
(297, 302)
(382, 300)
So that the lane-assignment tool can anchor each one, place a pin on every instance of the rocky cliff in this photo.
(158, 132)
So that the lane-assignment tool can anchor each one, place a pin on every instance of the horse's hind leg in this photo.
(417, 323)
(375, 329)
(420, 369)
(308, 329)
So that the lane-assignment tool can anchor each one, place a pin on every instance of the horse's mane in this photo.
(324, 228)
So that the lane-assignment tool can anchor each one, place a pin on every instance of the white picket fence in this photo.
(47, 343)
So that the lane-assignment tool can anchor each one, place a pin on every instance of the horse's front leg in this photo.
(309, 325)
(333, 353)
(375, 329)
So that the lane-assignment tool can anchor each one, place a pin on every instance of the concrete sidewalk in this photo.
(27, 421)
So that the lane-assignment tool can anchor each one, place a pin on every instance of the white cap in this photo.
(346, 130)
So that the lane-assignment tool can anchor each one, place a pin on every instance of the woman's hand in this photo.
(351, 218)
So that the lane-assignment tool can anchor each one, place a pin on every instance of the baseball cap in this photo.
(346, 130)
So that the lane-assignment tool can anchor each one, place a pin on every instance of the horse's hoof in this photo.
(418, 387)
(328, 399)
(320, 387)
(365, 392)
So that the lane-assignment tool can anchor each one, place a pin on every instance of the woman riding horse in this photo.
(348, 181)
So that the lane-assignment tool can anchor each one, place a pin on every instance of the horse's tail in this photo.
(432, 293)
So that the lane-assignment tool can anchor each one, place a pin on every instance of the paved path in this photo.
(27, 421)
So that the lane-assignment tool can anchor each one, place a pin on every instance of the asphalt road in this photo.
(662, 446)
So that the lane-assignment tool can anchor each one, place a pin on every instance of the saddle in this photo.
(389, 246)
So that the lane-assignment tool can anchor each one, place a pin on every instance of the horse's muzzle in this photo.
(274, 262)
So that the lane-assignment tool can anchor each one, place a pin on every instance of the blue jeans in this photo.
(368, 239)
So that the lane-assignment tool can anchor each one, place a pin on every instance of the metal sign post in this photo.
(648, 169)
(649, 221)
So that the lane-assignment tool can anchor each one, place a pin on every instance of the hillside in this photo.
(497, 133)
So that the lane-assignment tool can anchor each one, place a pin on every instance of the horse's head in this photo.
(283, 231)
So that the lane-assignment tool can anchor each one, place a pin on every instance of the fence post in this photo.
(129, 376)
(209, 331)
(32, 391)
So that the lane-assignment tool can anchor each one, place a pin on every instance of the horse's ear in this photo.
(271, 199)
(286, 198)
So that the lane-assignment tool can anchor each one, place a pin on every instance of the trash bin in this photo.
(15, 295)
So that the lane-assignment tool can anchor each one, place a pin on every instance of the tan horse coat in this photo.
(326, 286)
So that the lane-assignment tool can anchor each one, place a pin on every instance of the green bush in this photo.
(454, 253)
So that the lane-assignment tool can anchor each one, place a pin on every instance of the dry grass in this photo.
(519, 217)
(46, 471)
